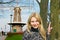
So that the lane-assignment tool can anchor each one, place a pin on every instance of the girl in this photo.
(35, 30)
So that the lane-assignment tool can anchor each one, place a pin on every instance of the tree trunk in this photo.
(55, 10)
(43, 11)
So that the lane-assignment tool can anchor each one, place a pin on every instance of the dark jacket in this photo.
(34, 36)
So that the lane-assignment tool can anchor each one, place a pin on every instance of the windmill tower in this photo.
(17, 19)
(17, 24)
(17, 14)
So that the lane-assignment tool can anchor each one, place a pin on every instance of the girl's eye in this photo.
(34, 21)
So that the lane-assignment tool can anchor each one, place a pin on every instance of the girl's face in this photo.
(34, 23)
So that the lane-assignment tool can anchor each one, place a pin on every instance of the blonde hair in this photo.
(41, 29)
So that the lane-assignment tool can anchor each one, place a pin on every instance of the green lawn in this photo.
(14, 37)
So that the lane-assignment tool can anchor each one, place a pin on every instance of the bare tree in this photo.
(43, 10)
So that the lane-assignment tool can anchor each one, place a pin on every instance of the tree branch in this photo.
(38, 1)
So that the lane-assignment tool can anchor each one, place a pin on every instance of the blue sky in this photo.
(7, 9)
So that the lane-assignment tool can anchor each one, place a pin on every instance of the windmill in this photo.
(17, 24)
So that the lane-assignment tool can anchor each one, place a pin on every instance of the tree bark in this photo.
(55, 10)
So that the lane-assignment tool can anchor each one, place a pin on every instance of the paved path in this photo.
(2, 37)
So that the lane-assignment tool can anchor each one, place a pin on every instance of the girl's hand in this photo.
(49, 28)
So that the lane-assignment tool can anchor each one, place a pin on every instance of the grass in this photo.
(14, 37)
